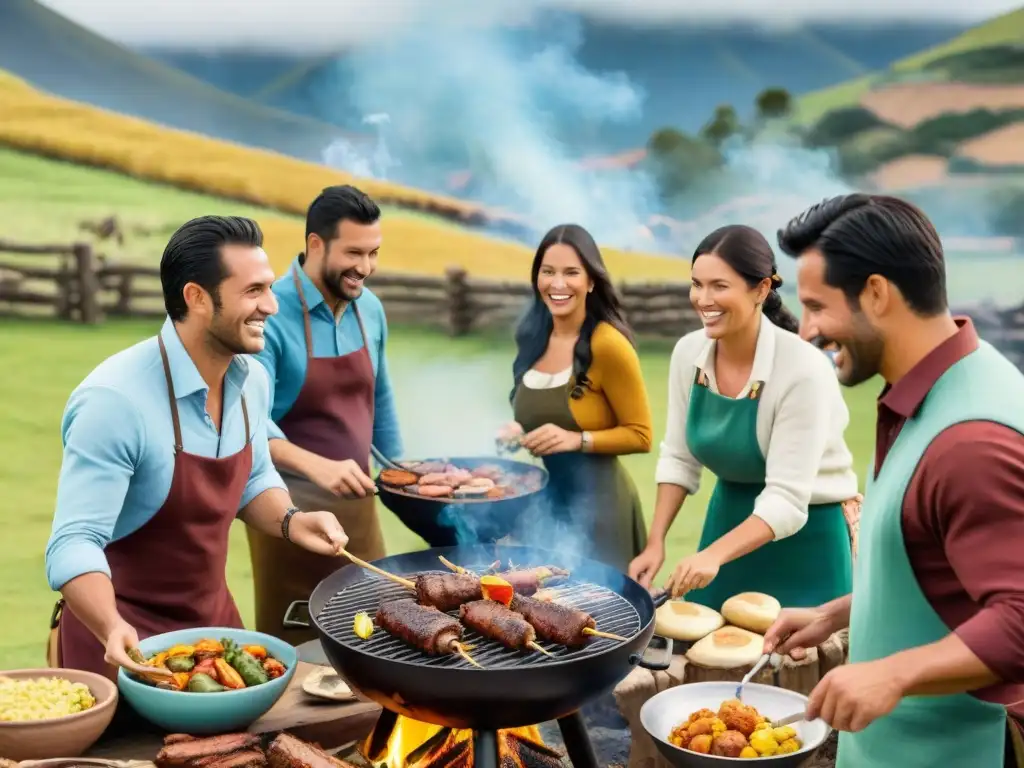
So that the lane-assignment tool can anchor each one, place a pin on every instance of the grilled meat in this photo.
(496, 622)
(286, 751)
(554, 622)
(398, 477)
(422, 626)
(447, 591)
(182, 753)
(177, 738)
(248, 758)
(526, 581)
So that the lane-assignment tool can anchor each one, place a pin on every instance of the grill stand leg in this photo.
(485, 749)
(577, 743)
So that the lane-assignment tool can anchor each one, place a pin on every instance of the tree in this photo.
(723, 124)
(774, 103)
(679, 161)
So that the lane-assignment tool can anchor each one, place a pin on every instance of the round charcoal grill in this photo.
(515, 688)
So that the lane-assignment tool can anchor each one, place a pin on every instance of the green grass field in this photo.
(46, 360)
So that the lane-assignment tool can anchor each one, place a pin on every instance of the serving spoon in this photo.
(773, 658)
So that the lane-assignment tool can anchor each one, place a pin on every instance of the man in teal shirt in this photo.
(165, 445)
(937, 609)
(331, 396)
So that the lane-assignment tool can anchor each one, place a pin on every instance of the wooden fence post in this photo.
(88, 284)
(459, 320)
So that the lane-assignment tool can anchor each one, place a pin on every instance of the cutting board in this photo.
(327, 723)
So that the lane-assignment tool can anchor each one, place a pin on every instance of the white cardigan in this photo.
(801, 418)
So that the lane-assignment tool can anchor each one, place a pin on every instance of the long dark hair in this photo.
(747, 251)
(603, 304)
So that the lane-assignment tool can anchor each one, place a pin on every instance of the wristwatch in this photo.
(287, 520)
(586, 443)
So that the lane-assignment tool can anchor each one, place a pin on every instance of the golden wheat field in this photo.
(42, 124)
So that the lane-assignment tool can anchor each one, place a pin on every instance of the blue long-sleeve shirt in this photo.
(284, 354)
(119, 447)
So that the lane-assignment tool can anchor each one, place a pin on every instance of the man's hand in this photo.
(851, 697)
(342, 478)
(694, 572)
(548, 439)
(319, 532)
(646, 565)
(798, 629)
(121, 638)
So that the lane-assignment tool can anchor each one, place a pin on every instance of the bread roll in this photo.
(727, 648)
(755, 611)
(680, 620)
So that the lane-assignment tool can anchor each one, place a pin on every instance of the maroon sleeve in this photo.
(969, 491)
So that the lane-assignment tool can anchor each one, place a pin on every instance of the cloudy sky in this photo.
(319, 25)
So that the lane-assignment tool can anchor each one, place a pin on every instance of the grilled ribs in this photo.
(496, 622)
(422, 626)
(554, 622)
(447, 591)
(286, 751)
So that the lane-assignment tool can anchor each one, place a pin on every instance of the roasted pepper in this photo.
(181, 680)
(497, 589)
(256, 651)
(205, 667)
(200, 683)
(180, 650)
(250, 670)
(227, 675)
(180, 663)
(273, 668)
(159, 660)
(209, 646)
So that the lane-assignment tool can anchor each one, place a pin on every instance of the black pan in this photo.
(487, 699)
(450, 522)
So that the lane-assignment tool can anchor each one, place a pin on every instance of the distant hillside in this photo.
(684, 71)
(63, 58)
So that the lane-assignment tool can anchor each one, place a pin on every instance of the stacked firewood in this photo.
(243, 750)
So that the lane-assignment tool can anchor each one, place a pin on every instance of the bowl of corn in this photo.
(47, 713)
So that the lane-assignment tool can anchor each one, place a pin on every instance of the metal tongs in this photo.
(774, 659)
(384, 461)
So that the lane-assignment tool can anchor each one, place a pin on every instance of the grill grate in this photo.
(611, 610)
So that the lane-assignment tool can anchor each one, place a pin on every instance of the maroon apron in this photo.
(170, 573)
(332, 417)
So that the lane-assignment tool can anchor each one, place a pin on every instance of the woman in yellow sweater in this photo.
(580, 402)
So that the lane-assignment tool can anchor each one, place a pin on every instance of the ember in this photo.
(412, 744)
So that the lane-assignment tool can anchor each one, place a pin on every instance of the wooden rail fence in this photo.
(79, 285)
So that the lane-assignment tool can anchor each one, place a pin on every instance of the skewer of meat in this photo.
(559, 623)
(426, 628)
(496, 622)
(524, 581)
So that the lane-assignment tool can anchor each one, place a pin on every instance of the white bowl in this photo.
(663, 712)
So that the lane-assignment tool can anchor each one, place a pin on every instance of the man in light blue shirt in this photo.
(165, 445)
(331, 396)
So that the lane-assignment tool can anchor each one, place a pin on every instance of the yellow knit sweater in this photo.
(614, 409)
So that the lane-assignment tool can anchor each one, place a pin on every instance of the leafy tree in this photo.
(723, 124)
(680, 162)
(774, 103)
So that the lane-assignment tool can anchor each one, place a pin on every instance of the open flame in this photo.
(413, 744)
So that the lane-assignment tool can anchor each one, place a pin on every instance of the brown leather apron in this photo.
(332, 417)
(170, 573)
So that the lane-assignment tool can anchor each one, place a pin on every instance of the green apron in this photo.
(890, 613)
(808, 568)
(589, 496)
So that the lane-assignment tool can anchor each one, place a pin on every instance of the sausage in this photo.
(480, 482)
(434, 491)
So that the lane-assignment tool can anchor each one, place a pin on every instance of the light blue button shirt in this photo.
(284, 355)
(119, 447)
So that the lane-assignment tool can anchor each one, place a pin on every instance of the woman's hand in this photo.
(693, 572)
(509, 436)
(548, 439)
(646, 565)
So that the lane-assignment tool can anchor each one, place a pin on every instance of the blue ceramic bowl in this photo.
(206, 713)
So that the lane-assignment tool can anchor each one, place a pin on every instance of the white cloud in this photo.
(317, 26)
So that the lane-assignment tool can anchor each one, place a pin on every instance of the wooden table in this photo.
(327, 723)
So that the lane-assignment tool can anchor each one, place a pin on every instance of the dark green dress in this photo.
(808, 568)
(590, 497)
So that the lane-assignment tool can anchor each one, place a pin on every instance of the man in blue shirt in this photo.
(165, 445)
(331, 396)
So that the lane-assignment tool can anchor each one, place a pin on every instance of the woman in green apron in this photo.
(579, 402)
(761, 409)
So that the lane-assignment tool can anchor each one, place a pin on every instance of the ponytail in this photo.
(775, 310)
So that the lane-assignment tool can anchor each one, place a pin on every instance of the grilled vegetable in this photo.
(496, 589)
(207, 649)
(250, 670)
(200, 683)
(256, 651)
(180, 650)
(362, 625)
(180, 663)
(273, 668)
(206, 667)
(228, 675)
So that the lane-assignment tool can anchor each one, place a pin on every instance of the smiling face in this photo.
(724, 301)
(563, 282)
(829, 319)
(243, 301)
(350, 258)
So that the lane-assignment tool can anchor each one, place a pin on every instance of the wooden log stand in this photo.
(641, 684)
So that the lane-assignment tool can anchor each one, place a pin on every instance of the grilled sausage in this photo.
(527, 581)
(434, 491)
(424, 627)
(496, 622)
(554, 622)
(447, 591)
